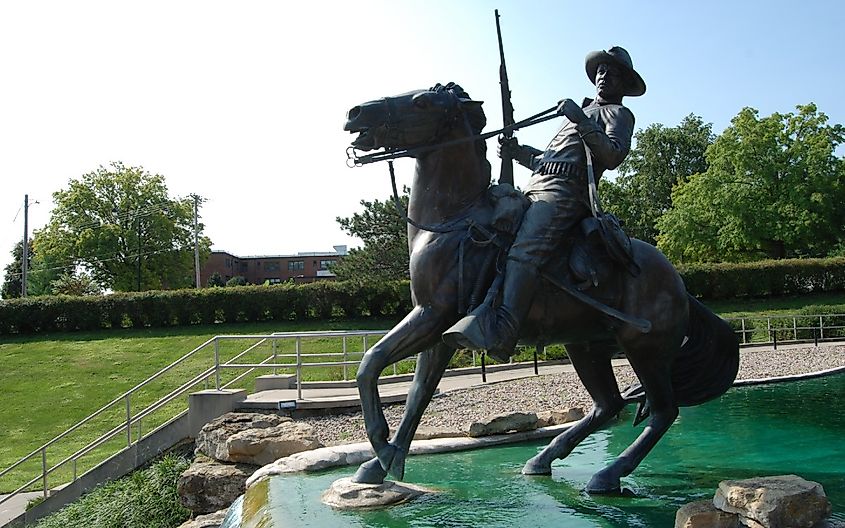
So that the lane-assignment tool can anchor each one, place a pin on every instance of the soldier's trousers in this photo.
(552, 213)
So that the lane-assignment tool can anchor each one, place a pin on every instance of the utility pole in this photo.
(197, 239)
(25, 263)
(138, 214)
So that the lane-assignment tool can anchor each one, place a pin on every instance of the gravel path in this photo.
(456, 409)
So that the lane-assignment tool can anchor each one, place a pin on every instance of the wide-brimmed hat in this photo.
(634, 84)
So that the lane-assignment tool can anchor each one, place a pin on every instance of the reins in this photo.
(354, 160)
(462, 220)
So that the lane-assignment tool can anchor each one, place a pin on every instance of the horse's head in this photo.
(421, 117)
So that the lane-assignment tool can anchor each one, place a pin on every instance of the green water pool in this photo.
(795, 427)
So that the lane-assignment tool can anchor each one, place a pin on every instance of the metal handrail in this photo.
(772, 330)
(132, 420)
(105, 407)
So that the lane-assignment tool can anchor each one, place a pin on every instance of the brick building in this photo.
(301, 267)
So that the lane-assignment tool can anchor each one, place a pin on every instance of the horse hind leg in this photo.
(592, 363)
(654, 372)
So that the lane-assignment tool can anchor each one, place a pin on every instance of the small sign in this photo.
(284, 405)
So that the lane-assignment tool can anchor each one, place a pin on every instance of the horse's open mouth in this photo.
(366, 139)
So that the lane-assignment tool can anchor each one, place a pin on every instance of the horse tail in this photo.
(708, 361)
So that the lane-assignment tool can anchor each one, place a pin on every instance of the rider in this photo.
(558, 193)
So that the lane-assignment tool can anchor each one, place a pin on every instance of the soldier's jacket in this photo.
(607, 130)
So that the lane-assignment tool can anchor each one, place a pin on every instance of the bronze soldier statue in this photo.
(558, 194)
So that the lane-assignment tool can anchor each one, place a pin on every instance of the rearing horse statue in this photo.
(688, 356)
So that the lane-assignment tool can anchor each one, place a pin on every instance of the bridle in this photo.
(452, 114)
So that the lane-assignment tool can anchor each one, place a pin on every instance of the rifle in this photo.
(506, 174)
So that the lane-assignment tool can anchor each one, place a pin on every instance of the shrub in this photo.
(282, 302)
(764, 278)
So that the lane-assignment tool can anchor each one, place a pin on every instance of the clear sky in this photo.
(243, 103)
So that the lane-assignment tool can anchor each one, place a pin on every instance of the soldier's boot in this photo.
(497, 329)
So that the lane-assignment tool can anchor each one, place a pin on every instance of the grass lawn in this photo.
(786, 305)
(52, 381)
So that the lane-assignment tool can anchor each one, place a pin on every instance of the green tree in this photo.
(237, 280)
(13, 272)
(661, 158)
(116, 217)
(384, 255)
(77, 284)
(774, 189)
(216, 281)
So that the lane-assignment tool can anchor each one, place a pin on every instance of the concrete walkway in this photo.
(345, 394)
(12, 508)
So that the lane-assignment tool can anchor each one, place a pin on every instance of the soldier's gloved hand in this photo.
(509, 147)
(571, 110)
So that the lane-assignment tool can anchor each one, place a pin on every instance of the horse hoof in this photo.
(397, 467)
(387, 455)
(536, 467)
(604, 485)
(370, 472)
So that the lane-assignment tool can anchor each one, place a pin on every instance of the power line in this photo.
(55, 268)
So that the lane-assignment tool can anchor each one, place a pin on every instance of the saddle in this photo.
(589, 255)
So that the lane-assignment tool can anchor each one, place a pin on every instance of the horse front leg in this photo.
(592, 363)
(655, 375)
(431, 365)
(417, 331)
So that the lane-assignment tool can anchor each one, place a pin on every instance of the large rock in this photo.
(212, 438)
(208, 486)
(263, 446)
(425, 432)
(345, 494)
(559, 417)
(503, 423)
(703, 514)
(212, 520)
(774, 502)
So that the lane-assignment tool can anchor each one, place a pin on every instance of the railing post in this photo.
(769, 326)
(473, 358)
(298, 368)
(128, 421)
(216, 364)
(366, 347)
(536, 351)
(345, 359)
(483, 367)
(44, 470)
(795, 328)
(821, 327)
(274, 357)
(744, 339)
(74, 470)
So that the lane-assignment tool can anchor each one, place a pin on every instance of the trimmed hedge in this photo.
(282, 302)
(327, 299)
(764, 278)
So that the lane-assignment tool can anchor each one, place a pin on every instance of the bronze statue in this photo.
(558, 191)
(458, 236)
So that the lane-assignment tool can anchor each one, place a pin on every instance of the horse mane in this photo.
(475, 117)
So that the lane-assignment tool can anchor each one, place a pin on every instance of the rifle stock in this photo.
(506, 174)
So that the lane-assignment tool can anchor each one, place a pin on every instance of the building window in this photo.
(272, 266)
(326, 264)
(296, 265)
(228, 263)
(273, 280)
